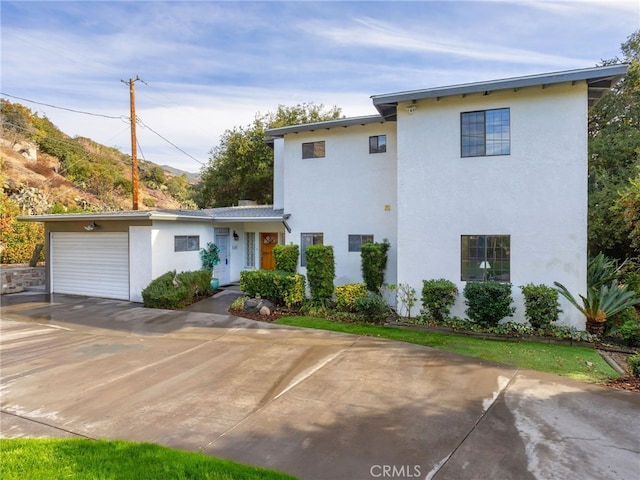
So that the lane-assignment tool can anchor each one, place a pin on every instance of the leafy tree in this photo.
(614, 156)
(241, 167)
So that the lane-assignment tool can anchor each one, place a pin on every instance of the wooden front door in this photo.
(267, 242)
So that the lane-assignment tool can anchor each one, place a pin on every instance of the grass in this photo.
(50, 459)
(579, 363)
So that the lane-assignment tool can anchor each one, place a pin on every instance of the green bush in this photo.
(321, 270)
(238, 303)
(488, 302)
(634, 364)
(347, 295)
(374, 264)
(373, 308)
(630, 329)
(438, 296)
(286, 257)
(173, 291)
(542, 307)
(282, 288)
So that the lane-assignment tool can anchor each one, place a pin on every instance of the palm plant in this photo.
(601, 303)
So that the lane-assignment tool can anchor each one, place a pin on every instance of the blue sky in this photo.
(213, 65)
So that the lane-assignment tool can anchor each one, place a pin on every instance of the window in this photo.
(378, 144)
(356, 241)
(486, 258)
(186, 243)
(485, 133)
(313, 150)
(307, 239)
(250, 249)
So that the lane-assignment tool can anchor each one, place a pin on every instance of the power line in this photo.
(144, 125)
(122, 117)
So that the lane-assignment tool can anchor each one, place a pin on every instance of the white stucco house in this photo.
(468, 182)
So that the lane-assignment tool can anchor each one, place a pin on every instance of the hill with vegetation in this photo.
(43, 170)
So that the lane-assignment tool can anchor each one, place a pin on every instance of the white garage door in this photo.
(94, 264)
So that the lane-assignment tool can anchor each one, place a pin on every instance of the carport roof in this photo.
(255, 213)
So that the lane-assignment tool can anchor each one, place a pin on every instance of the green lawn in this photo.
(50, 459)
(579, 363)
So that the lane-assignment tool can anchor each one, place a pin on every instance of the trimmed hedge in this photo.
(321, 270)
(438, 296)
(173, 291)
(282, 288)
(488, 302)
(374, 264)
(541, 305)
(347, 295)
(286, 257)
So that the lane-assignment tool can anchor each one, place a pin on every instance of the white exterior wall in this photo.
(140, 261)
(537, 194)
(349, 191)
(165, 257)
(278, 173)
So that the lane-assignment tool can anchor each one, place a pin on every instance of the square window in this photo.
(485, 133)
(307, 239)
(313, 150)
(378, 144)
(485, 258)
(356, 241)
(186, 243)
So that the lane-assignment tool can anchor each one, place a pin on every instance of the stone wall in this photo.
(16, 278)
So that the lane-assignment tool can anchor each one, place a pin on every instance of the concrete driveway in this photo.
(315, 404)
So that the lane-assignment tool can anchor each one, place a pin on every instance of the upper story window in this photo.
(356, 241)
(313, 149)
(485, 133)
(186, 243)
(307, 239)
(486, 257)
(378, 144)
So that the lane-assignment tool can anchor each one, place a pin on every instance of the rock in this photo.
(265, 311)
(255, 305)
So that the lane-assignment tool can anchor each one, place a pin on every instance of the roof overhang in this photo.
(133, 215)
(599, 80)
(310, 127)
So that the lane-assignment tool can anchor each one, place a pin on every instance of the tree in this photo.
(614, 156)
(241, 166)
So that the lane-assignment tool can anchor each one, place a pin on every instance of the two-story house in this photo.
(482, 181)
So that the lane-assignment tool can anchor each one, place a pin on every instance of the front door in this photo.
(267, 242)
(221, 271)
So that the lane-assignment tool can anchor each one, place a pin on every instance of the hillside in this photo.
(45, 170)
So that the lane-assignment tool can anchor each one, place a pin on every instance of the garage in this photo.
(94, 264)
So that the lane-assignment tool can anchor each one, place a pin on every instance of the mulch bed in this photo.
(626, 382)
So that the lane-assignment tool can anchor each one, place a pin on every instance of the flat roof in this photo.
(599, 81)
(310, 127)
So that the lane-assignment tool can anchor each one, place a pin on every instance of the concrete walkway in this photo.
(319, 405)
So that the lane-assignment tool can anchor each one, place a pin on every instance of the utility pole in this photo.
(134, 144)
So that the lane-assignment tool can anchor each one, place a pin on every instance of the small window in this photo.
(356, 241)
(250, 249)
(313, 150)
(378, 144)
(485, 133)
(486, 258)
(307, 239)
(186, 243)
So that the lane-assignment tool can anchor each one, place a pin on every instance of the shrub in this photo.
(173, 291)
(630, 329)
(286, 257)
(347, 295)
(634, 364)
(438, 296)
(405, 298)
(374, 264)
(321, 271)
(282, 288)
(373, 308)
(488, 302)
(541, 305)
(238, 303)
